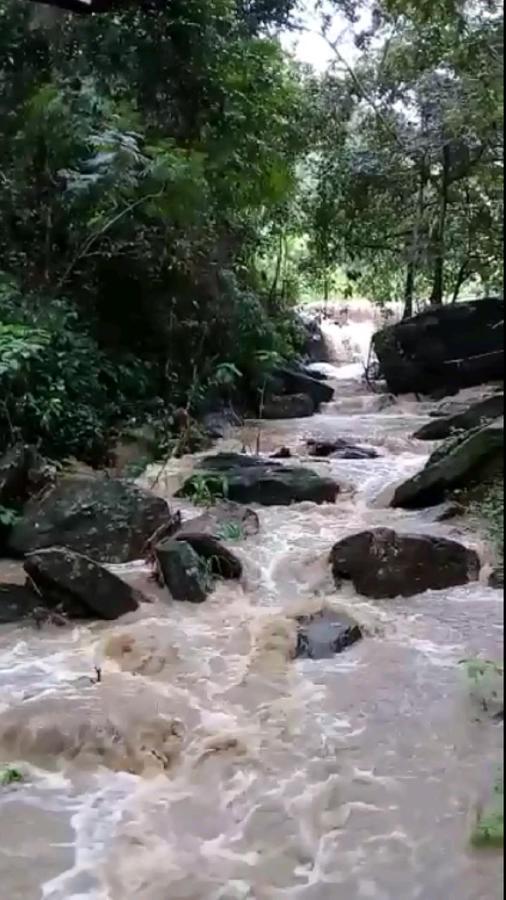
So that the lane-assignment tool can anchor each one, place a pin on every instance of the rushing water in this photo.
(208, 765)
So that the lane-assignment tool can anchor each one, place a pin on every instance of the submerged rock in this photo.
(79, 586)
(340, 449)
(185, 574)
(224, 520)
(220, 560)
(288, 406)
(325, 634)
(107, 519)
(383, 563)
(17, 602)
(473, 417)
(452, 466)
(496, 579)
(258, 480)
(282, 453)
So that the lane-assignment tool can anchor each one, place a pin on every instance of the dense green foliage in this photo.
(171, 182)
(406, 185)
(489, 828)
(142, 157)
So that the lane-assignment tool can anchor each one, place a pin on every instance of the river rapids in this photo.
(208, 765)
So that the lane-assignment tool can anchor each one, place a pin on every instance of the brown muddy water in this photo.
(208, 765)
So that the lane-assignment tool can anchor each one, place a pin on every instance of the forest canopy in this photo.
(173, 182)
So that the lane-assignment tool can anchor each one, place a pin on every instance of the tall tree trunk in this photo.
(414, 250)
(459, 281)
(409, 290)
(438, 284)
(277, 271)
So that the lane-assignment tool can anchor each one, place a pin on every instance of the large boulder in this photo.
(107, 519)
(184, 573)
(17, 602)
(452, 466)
(78, 586)
(445, 347)
(297, 381)
(340, 449)
(257, 480)
(288, 406)
(474, 416)
(218, 558)
(382, 563)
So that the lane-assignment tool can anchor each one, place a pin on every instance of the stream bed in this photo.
(209, 765)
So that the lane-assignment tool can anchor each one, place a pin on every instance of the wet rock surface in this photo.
(222, 520)
(78, 586)
(17, 602)
(473, 417)
(288, 406)
(326, 634)
(452, 466)
(219, 559)
(185, 574)
(444, 348)
(340, 449)
(107, 519)
(262, 481)
(297, 381)
(383, 563)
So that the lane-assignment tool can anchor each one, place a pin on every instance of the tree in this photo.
(417, 180)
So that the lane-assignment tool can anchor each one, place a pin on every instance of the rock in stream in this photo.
(77, 585)
(383, 563)
(251, 479)
(109, 520)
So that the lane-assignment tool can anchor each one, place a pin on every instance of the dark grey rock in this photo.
(107, 519)
(17, 602)
(220, 560)
(79, 586)
(452, 466)
(221, 519)
(383, 563)
(282, 453)
(324, 635)
(496, 579)
(474, 417)
(269, 484)
(296, 381)
(444, 348)
(340, 449)
(185, 574)
(288, 406)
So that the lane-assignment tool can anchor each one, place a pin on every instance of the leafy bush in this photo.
(205, 489)
(58, 389)
(489, 828)
(9, 775)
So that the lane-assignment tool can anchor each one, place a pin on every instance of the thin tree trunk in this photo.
(409, 290)
(414, 252)
(277, 273)
(461, 279)
(438, 285)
